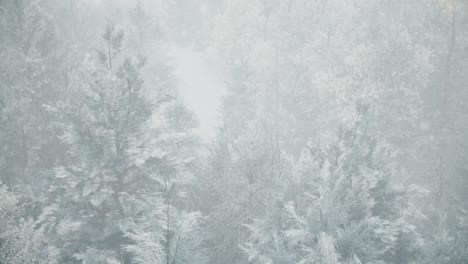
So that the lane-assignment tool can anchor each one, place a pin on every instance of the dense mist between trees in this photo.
(233, 131)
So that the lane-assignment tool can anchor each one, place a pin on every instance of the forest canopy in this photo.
(233, 131)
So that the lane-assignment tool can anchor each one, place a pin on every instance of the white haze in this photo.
(233, 132)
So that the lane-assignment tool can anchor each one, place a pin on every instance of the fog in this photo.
(233, 131)
(201, 86)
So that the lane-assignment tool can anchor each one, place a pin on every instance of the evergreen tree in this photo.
(105, 179)
(29, 80)
(20, 242)
(346, 209)
(174, 234)
(446, 158)
(245, 175)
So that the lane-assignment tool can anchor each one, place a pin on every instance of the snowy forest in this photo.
(233, 131)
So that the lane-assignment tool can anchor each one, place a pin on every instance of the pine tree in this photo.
(244, 178)
(20, 242)
(346, 209)
(445, 227)
(104, 181)
(174, 235)
(28, 81)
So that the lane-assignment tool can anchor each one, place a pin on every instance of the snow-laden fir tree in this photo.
(105, 180)
(20, 241)
(28, 80)
(243, 181)
(446, 159)
(174, 235)
(341, 206)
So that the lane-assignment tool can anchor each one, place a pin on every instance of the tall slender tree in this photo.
(29, 79)
(104, 180)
